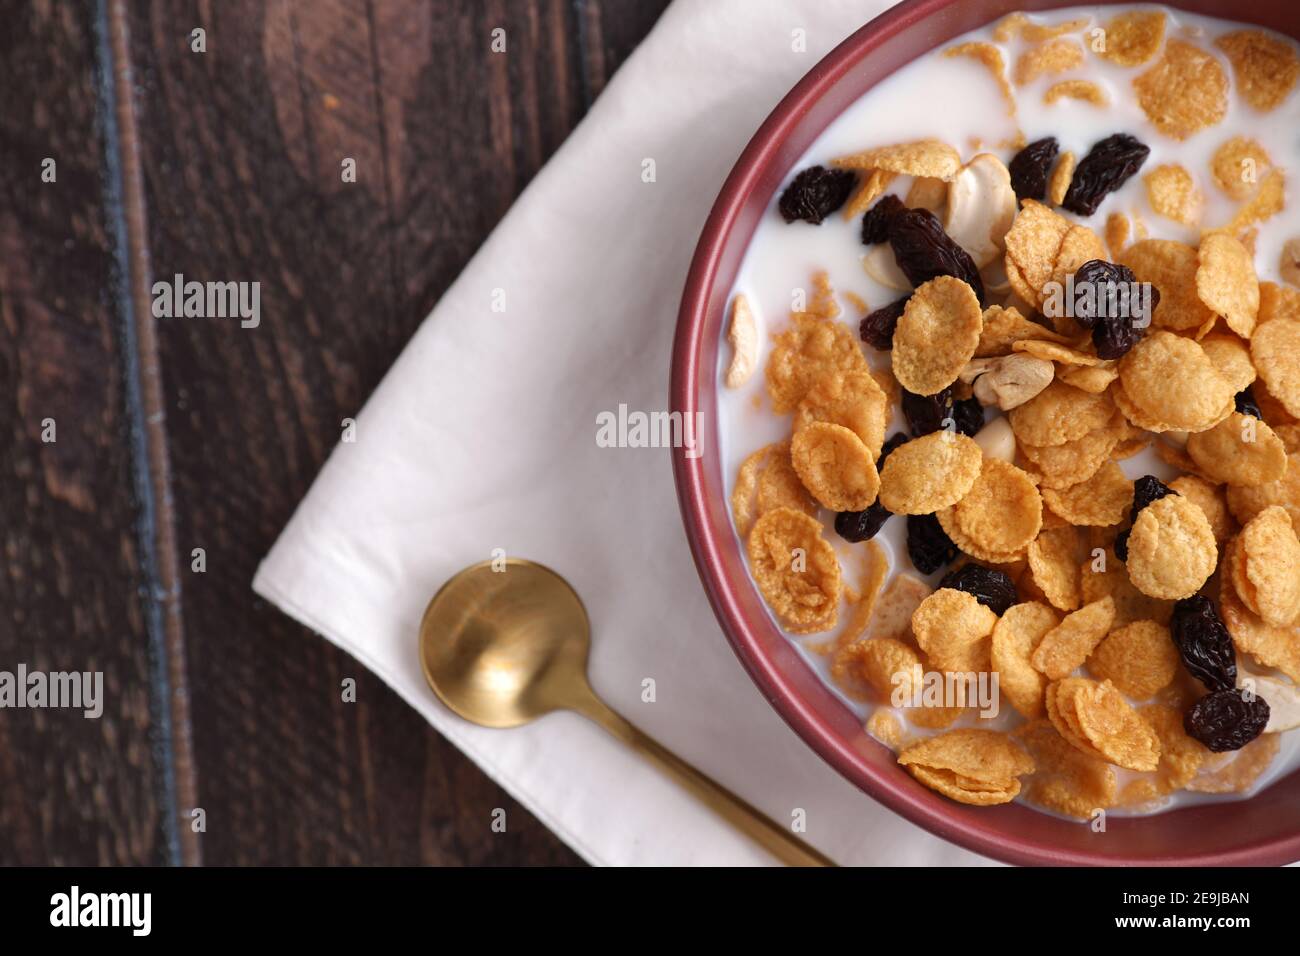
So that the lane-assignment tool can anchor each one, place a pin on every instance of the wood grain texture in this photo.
(76, 790)
(241, 149)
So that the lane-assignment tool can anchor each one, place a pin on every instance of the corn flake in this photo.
(1117, 233)
(1184, 92)
(991, 57)
(1212, 501)
(1275, 349)
(796, 570)
(1171, 267)
(1171, 550)
(1138, 658)
(1240, 450)
(1100, 500)
(1237, 166)
(1083, 90)
(1054, 558)
(1173, 194)
(835, 466)
(1181, 756)
(1054, 56)
(929, 473)
(970, 765)
(1266, 66)
(1003, 511)
(1171, 380)
(1002, 328)
(953, 630)
(1271, 554)
(767, 480)
(1267, 202)
(852, 399)
(1062, 175)
(1134, 37)
(1067, 780)
(1110, 724)
(1018, 26)
(1226, 282)
(1243, 770)
(1015, 636)
(811, 350)
(1270, 644)
(936, 335)
(926, 157)
(1058, 414)
(1068, 645)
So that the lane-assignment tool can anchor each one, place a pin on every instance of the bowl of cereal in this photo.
(1000, 490)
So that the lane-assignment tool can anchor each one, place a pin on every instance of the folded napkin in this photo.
(483, 436)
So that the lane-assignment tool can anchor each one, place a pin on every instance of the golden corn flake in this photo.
(1171, 379)
(1094, 379)
(1018, 26)
(1266, 203)
(1058, 700)
(1015, 636)
(835, 466)
(796, 570)
(1226, 282)
(1084, 90)
(1101, 500)
(927, 193)
(970, 765)
(1117, 233)
(1033, 242)
(1237, 166)
(1062, 174)
(1181, 756)
(1171, 550)
(892, 616)
(1058, 414)
(1266, 67)
(936, 335)
(1079, 245)
(1275, 349)
(885, 727)
(1230, 357)
(1072, 462)
(968, 546)
(991, 57)
(767, 480)
(1278, 302)
(1289, 262)
(934, 718)
(1002, 328)
(1246, 766)
(953, 630)
(851, 399)
(1104, 575)
(1184, 92)
(1173, 194)
(1270, 644)
(1240, 450)
(811, 350)
(1068, 645)
(888, 666)
(1110, 724)
(1067, 780)
(1054, 56)
(1245, 503)
(1171, 267)
(871, 186)
(1054, 558)
(929, 473)
(1139, 658)
(1003, 511)
(927, 157)
(1134, 37)
(1212, 501)
(1272, 566)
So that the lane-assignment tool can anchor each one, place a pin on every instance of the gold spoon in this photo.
(502, 648)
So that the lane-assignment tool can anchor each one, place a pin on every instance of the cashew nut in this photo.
(1009, 380)
(981, 206)
(743, 336)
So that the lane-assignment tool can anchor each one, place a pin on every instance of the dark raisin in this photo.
(1108, 299)
(877, 329)
(1247, 405)
(1227, 719)
(924, 251)
(876, 222)
(968, 415)
(1204, 643)
(1029, 168)
(928, 545)
(1146, 489)
(861, 525)
(1106, 168)
(816, 193)
(994, 589)
(926, 413)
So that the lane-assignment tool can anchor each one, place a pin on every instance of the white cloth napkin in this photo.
(482, 436)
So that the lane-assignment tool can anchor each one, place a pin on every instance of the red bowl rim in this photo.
(707, 548)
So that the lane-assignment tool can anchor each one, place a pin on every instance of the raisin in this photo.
(1146, 489)
(926, 413)
(861, 525)
(1204, 643)
(1247, 405)
(968, 414)
(876, 222)
(992, 588)
(1109, 300)
(924, 251)
(928, 545)
(877, 329)
(1108, 166)
(816, 193)
(1227, 719)
(1029, 168)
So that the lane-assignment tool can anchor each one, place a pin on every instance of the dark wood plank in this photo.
(242, 148)
(73, 589)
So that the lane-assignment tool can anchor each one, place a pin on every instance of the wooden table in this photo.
(179, 434)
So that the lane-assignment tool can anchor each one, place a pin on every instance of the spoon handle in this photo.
(781, 843)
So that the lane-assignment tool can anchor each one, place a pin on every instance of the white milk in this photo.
(958, 100)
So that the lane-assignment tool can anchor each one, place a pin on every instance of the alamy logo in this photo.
(208, 300)
(638, 429)
(79, 690)
(74, 908)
